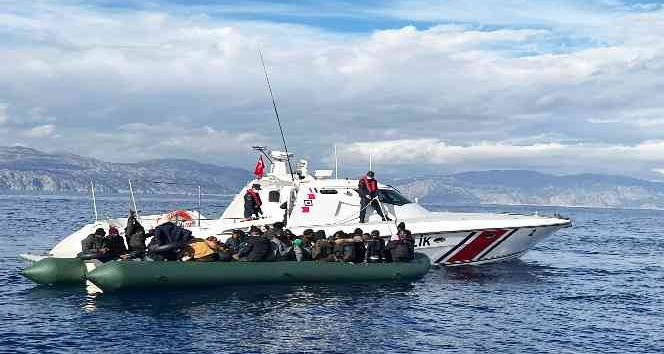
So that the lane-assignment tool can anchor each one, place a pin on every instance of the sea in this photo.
(597, 287)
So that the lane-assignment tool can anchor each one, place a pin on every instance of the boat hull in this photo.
(116, 276)
(481, 246)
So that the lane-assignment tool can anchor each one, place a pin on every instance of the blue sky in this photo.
(423, 86)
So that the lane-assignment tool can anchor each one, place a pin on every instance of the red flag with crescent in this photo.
(260, 167)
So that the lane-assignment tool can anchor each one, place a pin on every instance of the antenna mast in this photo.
(370, 161)
(336, 163)
(276, 113)
(133, 200)
(94, 200)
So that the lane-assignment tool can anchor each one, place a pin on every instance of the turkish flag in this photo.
(260, 167)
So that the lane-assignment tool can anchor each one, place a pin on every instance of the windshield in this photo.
(393, 197)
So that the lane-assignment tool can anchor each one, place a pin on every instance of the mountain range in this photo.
(534, 188)
(25, 169)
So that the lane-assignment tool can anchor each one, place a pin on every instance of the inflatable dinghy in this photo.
(120, 275)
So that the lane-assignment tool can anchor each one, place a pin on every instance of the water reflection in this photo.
(513, 271)
(252, 299)
(90, 302)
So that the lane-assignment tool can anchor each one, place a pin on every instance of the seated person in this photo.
(319, 235)
(168, 239)
(225, 253)
(257, 249)
(375, 247)
(360, 250)
(344, 247)
(115, 244)
(323, 250)
(201, 250)
(400, 248)
(95, 246)
(281, 248)
(308, 233)
(234, 243)
(302, 249)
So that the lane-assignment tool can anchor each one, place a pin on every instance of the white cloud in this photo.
(139, 141)
(40, 131)
(558, 78)
(551, 156)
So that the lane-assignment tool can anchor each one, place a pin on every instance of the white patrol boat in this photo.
(317, 201)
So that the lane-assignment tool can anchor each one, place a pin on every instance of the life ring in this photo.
(181, 216)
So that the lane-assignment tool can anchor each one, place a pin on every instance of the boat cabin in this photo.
(311, 201)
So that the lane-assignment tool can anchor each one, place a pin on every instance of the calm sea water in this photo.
(595, 288)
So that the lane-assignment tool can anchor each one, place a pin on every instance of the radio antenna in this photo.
(94, 200)
(276, 113)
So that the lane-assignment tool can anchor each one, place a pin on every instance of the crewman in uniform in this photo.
(368, 187)
(252, 203)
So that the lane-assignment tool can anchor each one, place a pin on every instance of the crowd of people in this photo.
(171, 242)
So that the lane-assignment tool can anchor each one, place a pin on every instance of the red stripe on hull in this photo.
(477, 245)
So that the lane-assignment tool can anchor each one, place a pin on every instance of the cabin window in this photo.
(273, 197)
(329, 191)
(389, 196)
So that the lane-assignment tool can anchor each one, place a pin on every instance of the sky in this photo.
(424, 87)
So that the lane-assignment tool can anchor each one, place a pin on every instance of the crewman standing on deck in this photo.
(368, 187)
(252, 202)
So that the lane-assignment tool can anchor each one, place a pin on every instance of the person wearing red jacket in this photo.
(368, 188)
(252, 202)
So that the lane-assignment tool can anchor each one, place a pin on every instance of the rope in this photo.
(380, 204)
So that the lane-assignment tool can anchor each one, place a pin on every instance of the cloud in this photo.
(140, 141)
(617, 159)
(41, 131)
(545, 80)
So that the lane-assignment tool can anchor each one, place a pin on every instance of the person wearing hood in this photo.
(368, 189)
(252, 203)
(115, 243)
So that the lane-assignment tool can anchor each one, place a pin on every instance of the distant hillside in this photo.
(26, 169)
(534, 188)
